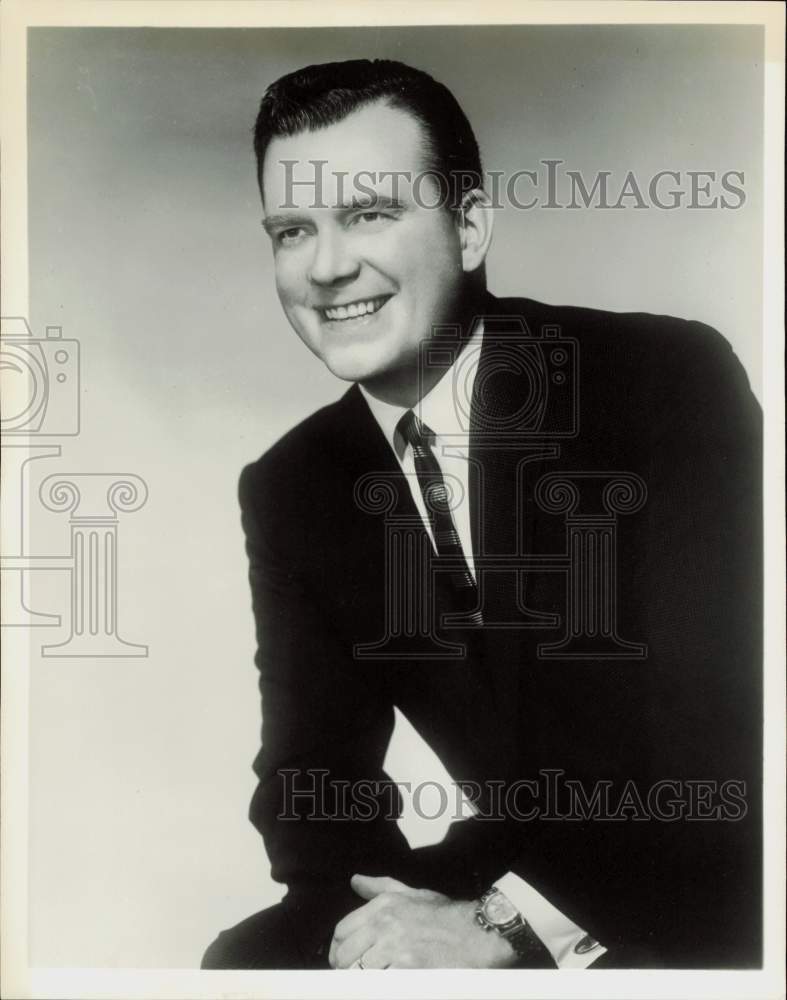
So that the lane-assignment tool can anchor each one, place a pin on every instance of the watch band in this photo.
(517, 931)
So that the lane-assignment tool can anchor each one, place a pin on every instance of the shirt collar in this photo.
(438, 409)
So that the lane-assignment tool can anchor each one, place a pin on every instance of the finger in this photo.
(369, 886)
(377, 957)
(354, 947)
(357, 918)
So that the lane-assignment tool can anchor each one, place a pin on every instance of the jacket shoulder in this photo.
(298, 455)
(666, 344)
(603, 322)
(658, 366)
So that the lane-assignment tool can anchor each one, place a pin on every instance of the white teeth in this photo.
(354, 310)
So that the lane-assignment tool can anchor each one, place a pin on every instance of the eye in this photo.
(370, 218)
(287, 237)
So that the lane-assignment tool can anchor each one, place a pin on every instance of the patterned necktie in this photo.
(437, 501)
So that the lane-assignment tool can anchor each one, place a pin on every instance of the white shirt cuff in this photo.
(568, 944)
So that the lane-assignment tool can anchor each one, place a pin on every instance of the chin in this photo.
(352, 372)
(354, 365)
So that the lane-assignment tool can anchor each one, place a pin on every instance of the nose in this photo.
(333, 264)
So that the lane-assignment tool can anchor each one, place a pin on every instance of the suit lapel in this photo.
(431, 692)
(504, 464)
(506, 459)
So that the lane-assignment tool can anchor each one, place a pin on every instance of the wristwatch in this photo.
(494, 911)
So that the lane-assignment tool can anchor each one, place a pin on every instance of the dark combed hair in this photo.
(321, 95)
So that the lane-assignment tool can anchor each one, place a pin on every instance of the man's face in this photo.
(364, 278)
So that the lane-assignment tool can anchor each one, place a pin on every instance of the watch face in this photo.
(499, 910)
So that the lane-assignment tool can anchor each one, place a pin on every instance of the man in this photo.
(534, 530)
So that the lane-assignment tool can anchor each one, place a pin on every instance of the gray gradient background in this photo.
(145, 244)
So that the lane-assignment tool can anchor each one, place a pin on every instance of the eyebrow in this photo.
(275, 222)
(373, 200)
(272, 223)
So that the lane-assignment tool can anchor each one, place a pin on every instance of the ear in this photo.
(475, 222)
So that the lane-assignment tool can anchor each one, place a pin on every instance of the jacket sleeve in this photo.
(682, 887)
(323, 804)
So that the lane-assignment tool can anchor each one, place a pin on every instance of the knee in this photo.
(262, 941)
(216, 955)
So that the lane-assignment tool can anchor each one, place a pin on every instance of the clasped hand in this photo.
(405, 928)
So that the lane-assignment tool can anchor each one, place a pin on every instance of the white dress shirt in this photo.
(565, 941)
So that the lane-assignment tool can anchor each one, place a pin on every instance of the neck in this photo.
(408, 385)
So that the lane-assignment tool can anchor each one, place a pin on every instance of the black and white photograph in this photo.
(393, 503)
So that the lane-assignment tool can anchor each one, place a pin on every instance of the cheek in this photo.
(423, 262)
(437, 274)
(282, 282)
(290, 278)
(435, 257)
(291, 291)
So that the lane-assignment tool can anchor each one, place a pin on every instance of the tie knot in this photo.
(414, 431)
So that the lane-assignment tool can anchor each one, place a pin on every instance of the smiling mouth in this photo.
(359, 309)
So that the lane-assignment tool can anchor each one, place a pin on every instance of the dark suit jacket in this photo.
(660, 399)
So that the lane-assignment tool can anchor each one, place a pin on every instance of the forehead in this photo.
(373, 140)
